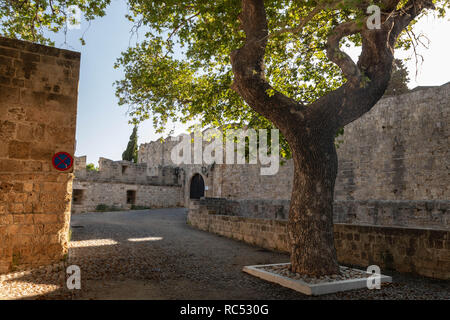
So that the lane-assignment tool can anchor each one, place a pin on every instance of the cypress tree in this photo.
(399, 79)
(131, 153)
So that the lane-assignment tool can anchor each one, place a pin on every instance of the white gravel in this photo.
(345, 274)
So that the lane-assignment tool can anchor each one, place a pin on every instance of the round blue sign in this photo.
(62, 161)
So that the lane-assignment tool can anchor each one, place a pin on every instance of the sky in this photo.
(102, 125)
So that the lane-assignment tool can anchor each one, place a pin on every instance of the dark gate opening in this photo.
(197, 187)
(131, 197)
(77, 196)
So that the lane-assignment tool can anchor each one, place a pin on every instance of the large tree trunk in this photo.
(310, 129)
(311, 212)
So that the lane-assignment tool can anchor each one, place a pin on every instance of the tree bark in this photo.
(310, 224)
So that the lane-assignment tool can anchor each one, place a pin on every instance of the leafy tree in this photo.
(27, 19)
(399, 79)
(271, 63)
(263, 64)
(131, 153)
(91, 167)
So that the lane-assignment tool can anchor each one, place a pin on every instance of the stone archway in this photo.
(197, 187)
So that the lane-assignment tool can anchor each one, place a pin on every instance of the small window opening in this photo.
(131, 197)
(77, 196)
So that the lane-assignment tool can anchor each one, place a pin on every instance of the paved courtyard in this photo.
(156, 255)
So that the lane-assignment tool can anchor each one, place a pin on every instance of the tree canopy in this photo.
(29, 19)
(197, 84)
(181, 70)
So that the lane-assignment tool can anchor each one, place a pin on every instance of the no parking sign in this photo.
(62, 161)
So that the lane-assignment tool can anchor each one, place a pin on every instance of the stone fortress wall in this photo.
(392, 191)
(397, 151)
(391, 196)
(393, 170)
(38, 107)
(122, 184)
(393, 162)
(422, 251)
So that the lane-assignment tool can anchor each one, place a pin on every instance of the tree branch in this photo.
(248, 68)
(302, 23)
(405, 15)
(340, 58)
(350, 102)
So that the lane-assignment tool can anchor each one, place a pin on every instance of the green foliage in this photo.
(101, 208)
(91, 167)
(399, 79)
(163, 84)
(131, 153)
(28, 19)
(105, 208)
(135, 207)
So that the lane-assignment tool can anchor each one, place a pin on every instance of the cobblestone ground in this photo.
(156, 255)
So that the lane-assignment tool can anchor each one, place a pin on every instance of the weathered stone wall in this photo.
(397, 151)
(125, 172)
(38, 104)
(246, 182)
(115, 195)
(109, 185)
(421, 251)
(157, 153)
(233, 181)
(264, 209)
(434, 214)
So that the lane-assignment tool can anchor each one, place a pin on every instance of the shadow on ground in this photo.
(154, 254)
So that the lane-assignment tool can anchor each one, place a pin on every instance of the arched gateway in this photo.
(197, 188)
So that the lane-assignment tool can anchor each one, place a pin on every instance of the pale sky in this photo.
(102, 126)
(435, 69)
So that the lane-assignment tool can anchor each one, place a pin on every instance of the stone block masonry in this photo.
(38, 105)
(122, 184)
(115, 195)
(432, 214)
(398, 151)
(420, 251)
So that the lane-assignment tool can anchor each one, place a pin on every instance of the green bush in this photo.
(135, 207)
(101, 208)
(91, 167)
(105, 208)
